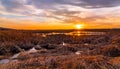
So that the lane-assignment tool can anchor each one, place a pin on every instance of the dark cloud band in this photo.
(81, 3)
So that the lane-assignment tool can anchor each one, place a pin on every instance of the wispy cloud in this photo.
(91, 12)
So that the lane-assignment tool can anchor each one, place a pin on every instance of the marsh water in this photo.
(73, 33)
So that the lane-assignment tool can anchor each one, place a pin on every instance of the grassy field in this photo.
(60, 51)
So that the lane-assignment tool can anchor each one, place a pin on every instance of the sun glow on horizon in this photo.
(79, 26)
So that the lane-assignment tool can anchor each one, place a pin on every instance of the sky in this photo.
(59, 14)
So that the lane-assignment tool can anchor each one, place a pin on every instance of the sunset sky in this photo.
(59, 14)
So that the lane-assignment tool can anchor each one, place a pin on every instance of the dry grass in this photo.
(98, 52)
(11, 40)
(64, 62)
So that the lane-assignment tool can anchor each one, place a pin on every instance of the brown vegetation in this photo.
(59, 51)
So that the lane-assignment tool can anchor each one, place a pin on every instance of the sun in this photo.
(79, 26)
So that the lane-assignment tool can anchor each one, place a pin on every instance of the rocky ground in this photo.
(27, 50)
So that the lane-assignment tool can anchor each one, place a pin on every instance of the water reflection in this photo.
(78, 33)
(74, 33)
(44, 35)
(3, 61)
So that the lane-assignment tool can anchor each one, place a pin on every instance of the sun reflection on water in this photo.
(74, 33)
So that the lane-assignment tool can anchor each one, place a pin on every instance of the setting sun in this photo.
(79, 26)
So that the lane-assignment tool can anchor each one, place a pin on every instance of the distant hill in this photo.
(1, 28)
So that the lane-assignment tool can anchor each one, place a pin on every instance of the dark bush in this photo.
(112, 51)
(3, 51)
(15, 49)
(49, 46)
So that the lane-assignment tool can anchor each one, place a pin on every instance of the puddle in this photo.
(4, 61)
(64, 44)
(12, 59)
(78, 52)
(33, 50)
(15, 56)
(86, 44)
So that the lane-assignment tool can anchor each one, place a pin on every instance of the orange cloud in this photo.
(27, 24)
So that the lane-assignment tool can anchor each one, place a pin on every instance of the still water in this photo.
(74, 33)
